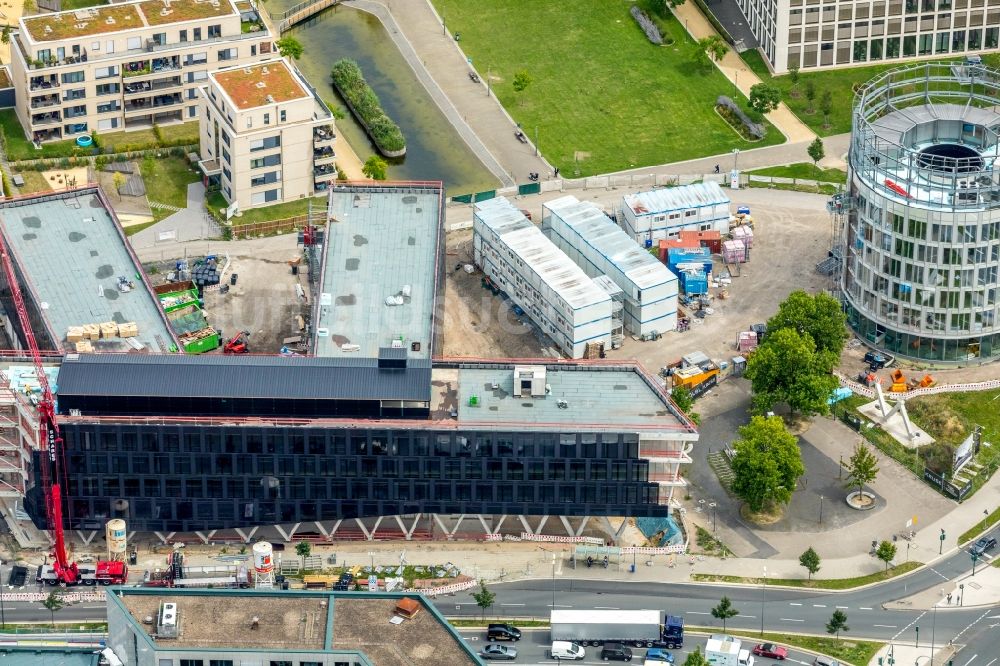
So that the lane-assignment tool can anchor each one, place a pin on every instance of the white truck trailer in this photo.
(727, 651)
(640, 628)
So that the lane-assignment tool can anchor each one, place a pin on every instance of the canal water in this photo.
(434, 150)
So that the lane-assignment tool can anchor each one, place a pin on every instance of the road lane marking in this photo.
(751, 617)
(606, 608)
(790, 619)
(886, 626)
(842, 607)
(990, 663)
(865, 608)
(555, 606)
(698, 613)
(511, 604)
(971, 660)
(899, 633)
(938, 573)
(792, 603)
(819, 605)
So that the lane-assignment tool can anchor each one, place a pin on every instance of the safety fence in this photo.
(543, 538)
(447, 589)
(68, 597)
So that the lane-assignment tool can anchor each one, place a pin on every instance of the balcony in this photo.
(323, 155)
(152, 85)
(41, 119)
(323, 135)
(44, 82)
(44, 101)
(152, 104)
(136, 68)
(42, 136)
(667, 479)
(324, 173)
(665, 452)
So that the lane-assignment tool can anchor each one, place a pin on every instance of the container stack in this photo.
(699, 255)
(744, 234)
(693, 282)
(734, 252)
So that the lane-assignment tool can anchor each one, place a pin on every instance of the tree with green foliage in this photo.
(810, 96)
(522, 80)
(816, 150)
(767, 463)
(886, 552)
(119, 180)
(837, 623)
(696, 658)
(810, 560)
(484, 597)
(724, 611)
(375, 168)
(714, 47)
(5, 35)
(787, 368)
(793, 76)
(764, 98)
(818, 315)
(303, 549)
(682, 397)
(862, 467)
(289, 47)
(30, 7)
(54, 602)
(826, 106)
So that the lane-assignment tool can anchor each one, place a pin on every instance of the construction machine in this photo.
(697, 373)
(238, 344)
(62, 571)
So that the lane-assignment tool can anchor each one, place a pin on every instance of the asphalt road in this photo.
(532, 647)
(778, 610)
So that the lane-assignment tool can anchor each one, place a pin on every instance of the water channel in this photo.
(434, 150)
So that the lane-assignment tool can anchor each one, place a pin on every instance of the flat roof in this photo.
(598, 231)
(265, 83)
(539, 253)
(611, 394)
(382, 242)
(676, 198)
(297, 621)
(11, 655)
(71, 253)
(122, 17)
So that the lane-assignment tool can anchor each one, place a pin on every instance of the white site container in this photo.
(649, 217)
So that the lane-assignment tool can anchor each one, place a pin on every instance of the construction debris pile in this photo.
(84, 337)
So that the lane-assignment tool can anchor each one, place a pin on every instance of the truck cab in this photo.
(673, 632)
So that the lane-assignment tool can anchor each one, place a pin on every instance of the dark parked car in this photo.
(498, 652)
(982, 545)
(771, 651)
(615, 652)
(503, 632)
(877, 361)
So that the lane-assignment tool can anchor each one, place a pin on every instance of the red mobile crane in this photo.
(62, 570)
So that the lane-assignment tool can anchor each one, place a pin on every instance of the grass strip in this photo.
(815, 583)
(845, 650)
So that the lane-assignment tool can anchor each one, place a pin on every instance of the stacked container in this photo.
(734, 252)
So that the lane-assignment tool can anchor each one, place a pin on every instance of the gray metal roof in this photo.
(242, 376)
(676, 198)
(71, 253)
(381, 242)
(606, 238)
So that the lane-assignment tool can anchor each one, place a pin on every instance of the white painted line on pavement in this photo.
(971, 660)
(751, 617)
(804, 663)
(842, 607)
(558, 606)
(938, 573)
(698, 613)
(886, 626)
(792, 603)
(511, 604)
(606, 608)
(990, 663)
(819, 605)
(790, 619)
(898, 633)
(865, 608)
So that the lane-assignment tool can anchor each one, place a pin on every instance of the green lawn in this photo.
(600, 91)
(19, 148)
(166, 180)
(980, 527)
(847, 650)
(816, 583)
(804, 170)
(840, 83)
(34, 182)
(216, 201)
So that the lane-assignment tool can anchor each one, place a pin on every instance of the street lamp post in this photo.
(763, 592)
(736, 156)
(934, 625)
(941, 539)
(553, 581)
(975, 557)
(821, 510)
(371, 555)
(961, 594)
(986, 514)
(713, 505)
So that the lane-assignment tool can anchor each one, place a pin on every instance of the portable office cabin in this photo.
(600, 247)
(650, 216)
(558, 296)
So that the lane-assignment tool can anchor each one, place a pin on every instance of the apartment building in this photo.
(827, 33)
(127, 66)
(266, 137)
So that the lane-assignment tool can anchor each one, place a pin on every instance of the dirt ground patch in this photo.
(477, 323)
(263, 301)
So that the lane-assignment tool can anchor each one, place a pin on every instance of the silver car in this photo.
(498, 652)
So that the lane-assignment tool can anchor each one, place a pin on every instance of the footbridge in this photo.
(302, 12)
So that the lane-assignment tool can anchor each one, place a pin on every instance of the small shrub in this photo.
(647, 25)
(735, 115)
(348, 79)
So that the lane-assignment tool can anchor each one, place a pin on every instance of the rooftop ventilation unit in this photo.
(166, 626)
(529, 381)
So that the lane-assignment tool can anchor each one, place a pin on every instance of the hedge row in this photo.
(358, 94)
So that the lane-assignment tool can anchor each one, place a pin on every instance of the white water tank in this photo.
(116, 536)
(263, 557)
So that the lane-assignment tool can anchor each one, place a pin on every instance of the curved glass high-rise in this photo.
(923, 232)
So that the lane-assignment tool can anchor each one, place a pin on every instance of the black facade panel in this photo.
(189, 478)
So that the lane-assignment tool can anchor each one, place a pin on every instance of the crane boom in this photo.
(66, 571)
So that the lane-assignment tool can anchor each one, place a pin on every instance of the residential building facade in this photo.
(127, 66)
(811, 34)
(265, 135)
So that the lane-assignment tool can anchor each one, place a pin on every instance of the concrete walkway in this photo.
(188, 224)
(740, 74)
(442, 68)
